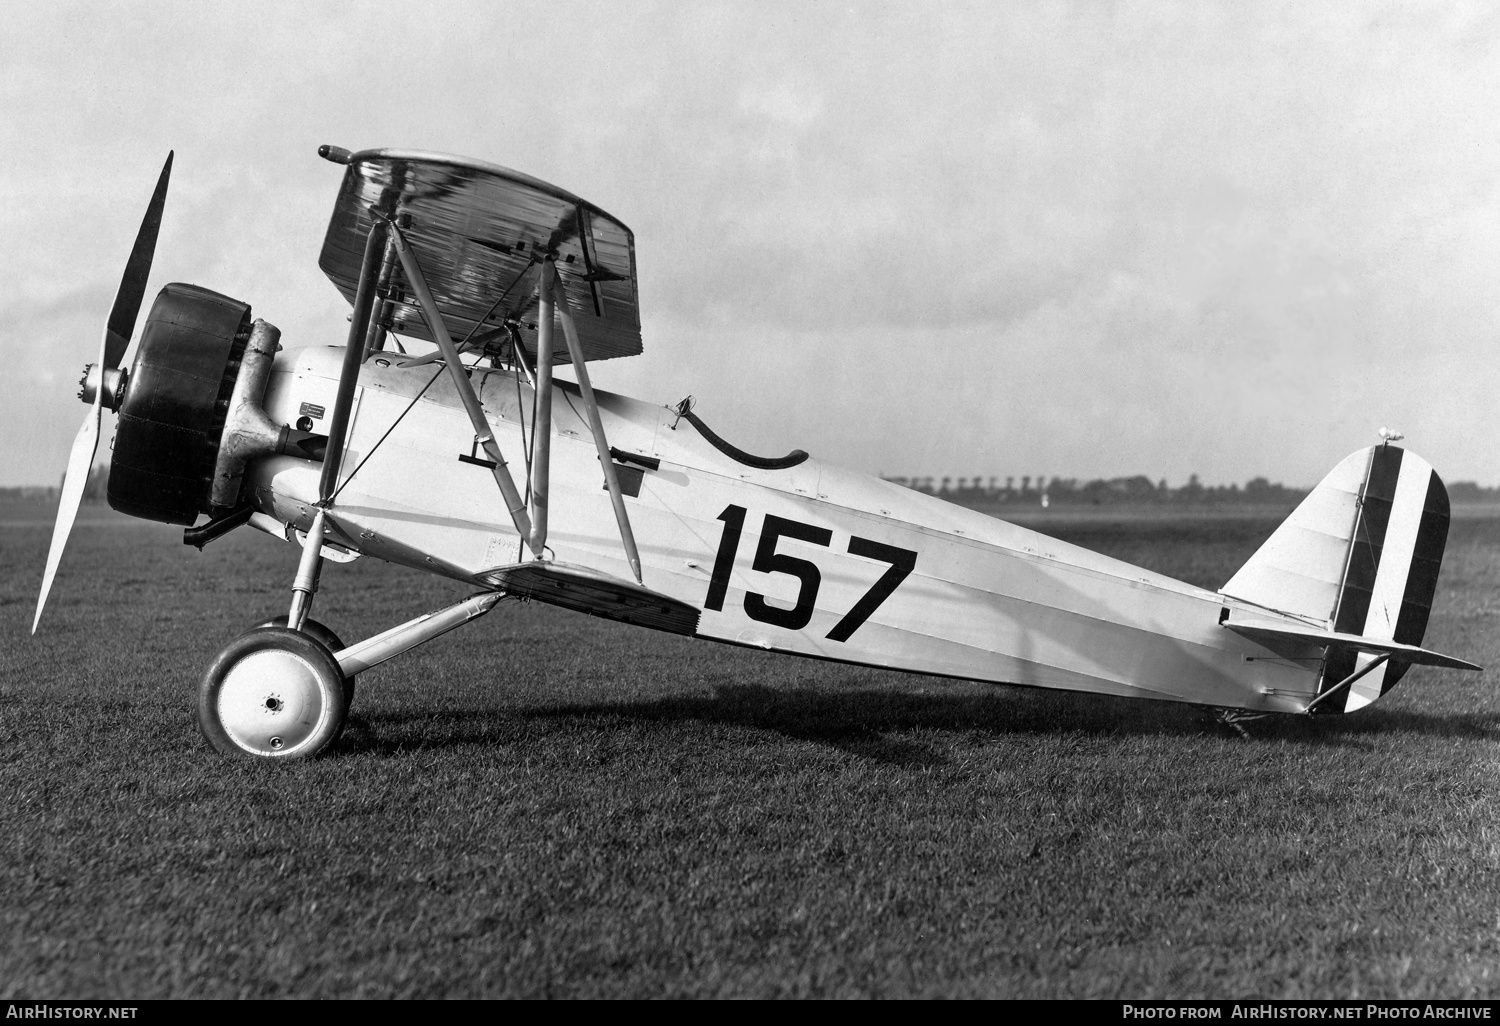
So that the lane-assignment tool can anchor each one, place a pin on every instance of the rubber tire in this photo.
(312, 655)
(330, 640)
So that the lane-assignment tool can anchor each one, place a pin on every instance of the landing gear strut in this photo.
(277, 693)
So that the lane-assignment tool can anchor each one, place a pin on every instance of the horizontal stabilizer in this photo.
(589, 591)
(1273, 630)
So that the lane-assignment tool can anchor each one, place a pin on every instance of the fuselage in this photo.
(811, 560)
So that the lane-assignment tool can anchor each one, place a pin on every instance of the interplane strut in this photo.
(553, 302)
(472, 406)
(611, 479)
(541, 427)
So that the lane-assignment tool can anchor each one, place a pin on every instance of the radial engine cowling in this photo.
(190, 413)
(175, 402)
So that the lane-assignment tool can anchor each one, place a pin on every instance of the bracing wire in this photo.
(493, 307)
(477, 324)
(387, 434)
(587, 424)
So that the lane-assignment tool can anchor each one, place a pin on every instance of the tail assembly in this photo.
(1356, 566)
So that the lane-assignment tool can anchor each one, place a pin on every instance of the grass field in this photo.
(544, 804)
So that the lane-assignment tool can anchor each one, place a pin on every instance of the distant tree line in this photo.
(980, 489)
(93, 490)
(1469, 491)
(1068, 491)
(28, 492)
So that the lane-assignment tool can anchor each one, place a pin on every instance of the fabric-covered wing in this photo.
(478, 230)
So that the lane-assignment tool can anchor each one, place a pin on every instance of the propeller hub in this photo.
(114, 380)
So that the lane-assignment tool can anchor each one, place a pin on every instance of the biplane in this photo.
(472, 459)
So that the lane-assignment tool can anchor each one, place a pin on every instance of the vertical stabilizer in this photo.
(1393, 568)
(1359, 556)
(1300, 568)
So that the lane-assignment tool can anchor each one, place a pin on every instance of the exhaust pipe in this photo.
(249, 432)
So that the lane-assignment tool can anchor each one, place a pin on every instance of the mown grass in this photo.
(548, 804)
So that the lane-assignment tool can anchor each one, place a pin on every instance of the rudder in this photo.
(1392, 575)
(1359, 556)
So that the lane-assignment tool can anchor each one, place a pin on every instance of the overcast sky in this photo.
(1085, 240)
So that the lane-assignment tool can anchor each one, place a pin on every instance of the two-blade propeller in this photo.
(103, 377)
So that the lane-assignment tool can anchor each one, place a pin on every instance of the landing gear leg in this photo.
(277, 693)
(309, 569)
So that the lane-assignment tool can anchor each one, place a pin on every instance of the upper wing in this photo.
(478, 229)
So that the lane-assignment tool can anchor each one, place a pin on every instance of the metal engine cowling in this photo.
(171, 417)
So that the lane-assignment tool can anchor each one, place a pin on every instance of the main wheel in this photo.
(330, 640)
(273, 693)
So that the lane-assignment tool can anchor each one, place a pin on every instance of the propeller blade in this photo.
(117, 332)
(84, 445)
(137, 270)
(566, 229)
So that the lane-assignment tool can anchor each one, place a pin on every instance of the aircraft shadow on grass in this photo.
(869, 723)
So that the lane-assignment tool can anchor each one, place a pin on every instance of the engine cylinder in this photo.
(172, 414)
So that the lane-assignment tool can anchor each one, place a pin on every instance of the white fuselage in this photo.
(985, 600)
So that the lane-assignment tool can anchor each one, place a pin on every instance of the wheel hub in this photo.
(270, 702)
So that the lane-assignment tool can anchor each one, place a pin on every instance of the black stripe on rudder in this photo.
(1359, 586)
(1432, 535)
(1427, 559)
(1374, 518)
(1338, 664)
(1385, 473)
(1421, 578)
(1369, 539)
(1393, 673)
(1411, 622)
(1379, 497)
